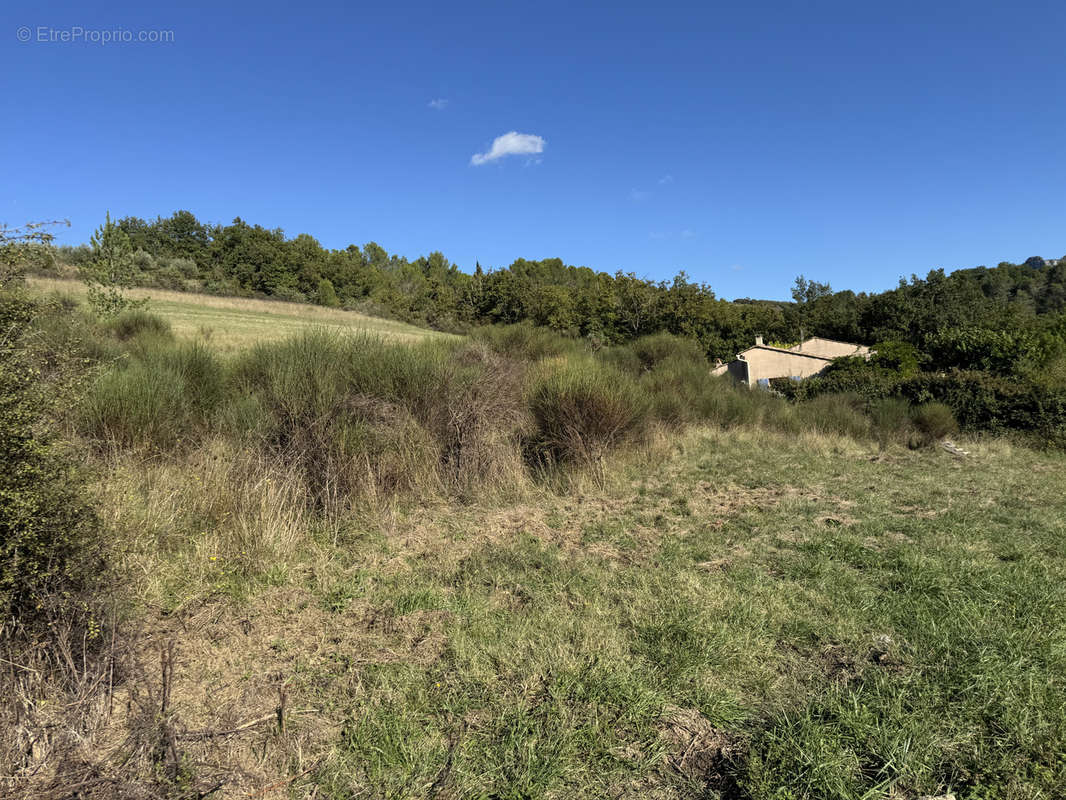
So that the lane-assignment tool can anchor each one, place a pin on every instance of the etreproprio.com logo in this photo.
(77, 34)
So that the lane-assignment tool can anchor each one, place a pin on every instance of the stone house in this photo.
(757, 365)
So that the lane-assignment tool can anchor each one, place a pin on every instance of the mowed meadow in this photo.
(364, 563)
(230, 323)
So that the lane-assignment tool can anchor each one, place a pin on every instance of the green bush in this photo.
(890, 418)
(162, 397)
(679, 390)
(402, 416)
(525, 341)
(840, 414)
(934, 421)
(657, 348)
(132, 323)
(326, 295)
(51, 543)
(582, 409)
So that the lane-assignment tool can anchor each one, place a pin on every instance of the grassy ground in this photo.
(232, 323)
(740, 614)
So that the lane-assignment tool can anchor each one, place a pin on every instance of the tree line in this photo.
(1005, 319)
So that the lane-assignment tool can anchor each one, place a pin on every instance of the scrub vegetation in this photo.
(517, 563)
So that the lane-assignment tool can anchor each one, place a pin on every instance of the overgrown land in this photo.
(350, 558)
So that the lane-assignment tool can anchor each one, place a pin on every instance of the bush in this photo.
(134, 322)
(891, 420)
(582, 409)
(680, 390)
(980, 401)
(934, 421)
(288, 294)
(326, 295)
(162, 397)
(657, 348)
(185, 267)
(326, 401)
(647, 352)
(839, 414)
(51, 543)
(526, 342)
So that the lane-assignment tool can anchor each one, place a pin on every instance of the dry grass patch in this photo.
(229, 324)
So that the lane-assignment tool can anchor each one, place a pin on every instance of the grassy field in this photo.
(232, 323)
(735, 614)
(506, 567)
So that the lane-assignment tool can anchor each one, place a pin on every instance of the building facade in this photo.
(757, 365)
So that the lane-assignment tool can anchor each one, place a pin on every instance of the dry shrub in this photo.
(481, 430)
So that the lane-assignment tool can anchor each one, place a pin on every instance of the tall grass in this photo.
(358, 420)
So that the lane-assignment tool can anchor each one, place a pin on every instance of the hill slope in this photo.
(230, 323)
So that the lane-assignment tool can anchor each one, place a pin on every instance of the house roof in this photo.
(797, 353)
(823, 339)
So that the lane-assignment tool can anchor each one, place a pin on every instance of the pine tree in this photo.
(110, 270)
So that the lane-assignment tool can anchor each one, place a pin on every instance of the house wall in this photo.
(764, 363)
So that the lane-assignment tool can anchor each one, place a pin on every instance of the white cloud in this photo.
(439, 104)
(687, 233)
(665, 179)
(510, 144)
(636, 195)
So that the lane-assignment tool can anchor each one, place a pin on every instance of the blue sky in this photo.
(852, 142)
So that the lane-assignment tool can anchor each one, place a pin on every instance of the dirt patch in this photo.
(699, 751)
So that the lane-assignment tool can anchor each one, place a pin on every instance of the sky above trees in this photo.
(850, 142)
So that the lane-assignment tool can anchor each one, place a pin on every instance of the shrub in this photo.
(186, 267)
(326, 295)
(934, 421)
(161, 398)
(840, 414)
(143, 261)
(457, 410)
(51, 542)
(67, 339)
(288, 294)
(901, 358)
(526, 342)
(131, 323)
(679, 390)
(659, 347)
(582, 409)
(890, 418)
(646, 353)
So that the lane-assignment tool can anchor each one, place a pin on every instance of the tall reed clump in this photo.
(136, 322)
(581, 409)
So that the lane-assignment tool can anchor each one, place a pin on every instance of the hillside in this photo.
(504, 565)
(231, 323)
